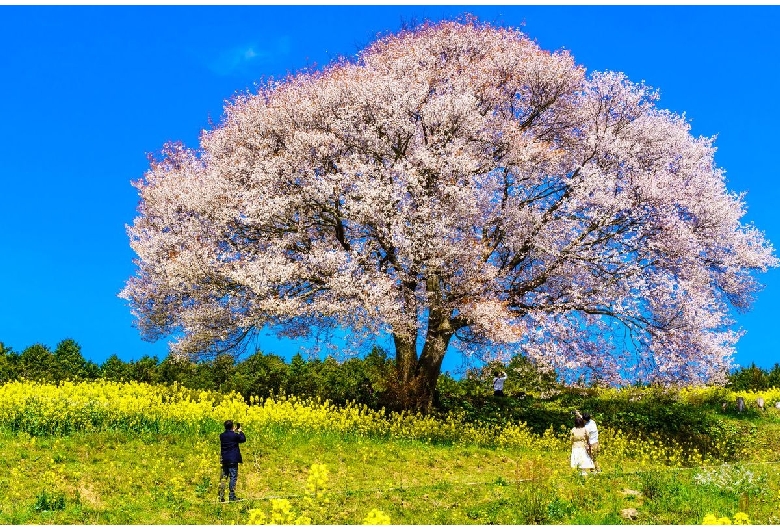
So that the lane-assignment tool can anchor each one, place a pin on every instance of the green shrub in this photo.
(49, 502)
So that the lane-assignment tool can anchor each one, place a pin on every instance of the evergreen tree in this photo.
(9, 364)
(38, 363)
(261, 375)
(749, 378)
(144, 370)
(69, 362)
(175, 369)
(114, 369)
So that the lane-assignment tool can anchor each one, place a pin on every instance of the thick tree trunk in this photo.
(405, 360)
(429, 368)
(417, 377)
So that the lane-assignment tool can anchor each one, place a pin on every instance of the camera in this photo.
(238, 425)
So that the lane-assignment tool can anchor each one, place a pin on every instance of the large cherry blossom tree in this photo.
(453, 186)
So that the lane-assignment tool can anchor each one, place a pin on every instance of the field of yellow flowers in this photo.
(131, 453)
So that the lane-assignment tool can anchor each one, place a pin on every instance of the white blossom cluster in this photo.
(458, 186)
(731, 478)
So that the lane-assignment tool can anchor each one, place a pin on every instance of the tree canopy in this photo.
(455, 186)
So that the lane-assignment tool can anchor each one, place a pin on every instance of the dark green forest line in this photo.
(365, 380)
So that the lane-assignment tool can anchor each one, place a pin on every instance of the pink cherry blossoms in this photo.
(457, 187)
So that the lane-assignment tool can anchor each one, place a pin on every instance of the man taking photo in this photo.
(230, 456)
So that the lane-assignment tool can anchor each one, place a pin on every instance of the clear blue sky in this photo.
(87, 92)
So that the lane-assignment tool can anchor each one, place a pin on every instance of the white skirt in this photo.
(580, 458)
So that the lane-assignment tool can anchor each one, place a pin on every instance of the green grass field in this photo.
(168, 474)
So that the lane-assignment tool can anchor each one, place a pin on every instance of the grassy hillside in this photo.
(107, 453)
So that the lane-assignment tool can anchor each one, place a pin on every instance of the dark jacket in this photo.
(230, 452)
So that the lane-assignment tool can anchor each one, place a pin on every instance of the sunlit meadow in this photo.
(132, 453)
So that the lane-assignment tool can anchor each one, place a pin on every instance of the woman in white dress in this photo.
(580, 459)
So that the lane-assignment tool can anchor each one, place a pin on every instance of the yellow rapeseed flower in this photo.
(709, 519)
(256, 516)
(376, 517)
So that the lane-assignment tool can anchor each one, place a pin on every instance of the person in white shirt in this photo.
(580, 450)
(593, 438)
(498, 384)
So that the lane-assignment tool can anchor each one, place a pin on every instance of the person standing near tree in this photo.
(230, 457)
(593, 438)
(580, 451)
(498, 384)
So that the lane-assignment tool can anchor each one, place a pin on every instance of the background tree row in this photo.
(365, 380)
